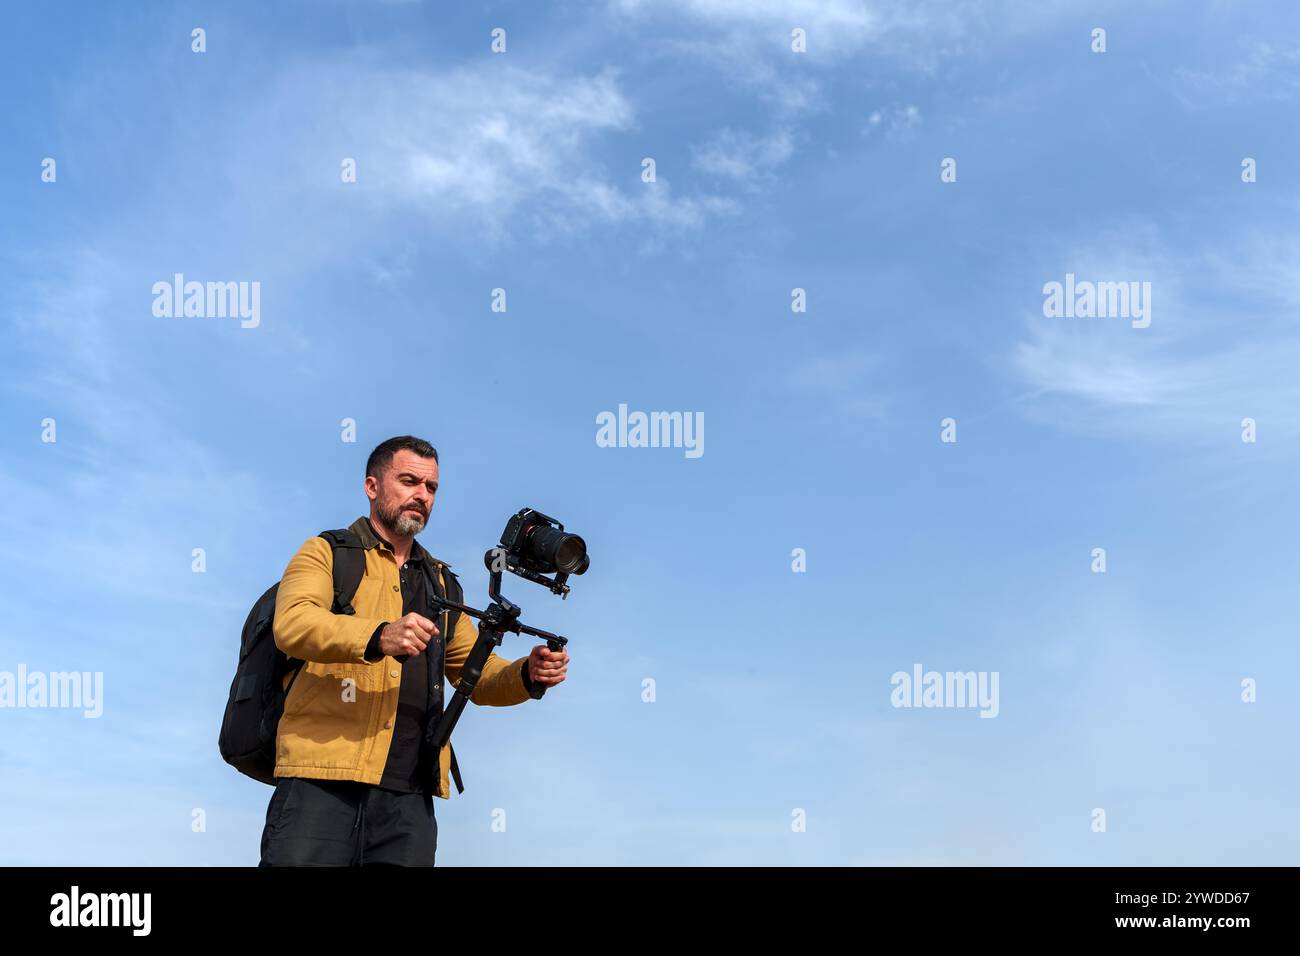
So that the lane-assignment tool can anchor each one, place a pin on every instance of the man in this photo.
(354, 778)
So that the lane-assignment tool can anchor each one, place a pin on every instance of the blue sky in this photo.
(775, 170)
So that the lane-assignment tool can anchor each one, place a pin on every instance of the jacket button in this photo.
(392, 673)
(395, 587)
(388, 725)
(437, 687)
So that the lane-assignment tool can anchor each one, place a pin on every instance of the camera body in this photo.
(534, 545)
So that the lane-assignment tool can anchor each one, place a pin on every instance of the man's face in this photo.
(403, 494)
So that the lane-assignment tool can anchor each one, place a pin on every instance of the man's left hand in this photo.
(547, 667)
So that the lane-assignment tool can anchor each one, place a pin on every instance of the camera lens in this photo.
(570, 553)
(557, 549)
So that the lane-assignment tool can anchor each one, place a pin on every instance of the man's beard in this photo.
(401, 521)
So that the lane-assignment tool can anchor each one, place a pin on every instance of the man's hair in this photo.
(382, 456)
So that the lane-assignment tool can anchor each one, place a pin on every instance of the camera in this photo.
(534, 545)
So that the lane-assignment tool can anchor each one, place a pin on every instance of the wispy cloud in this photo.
(481, 146)
(1223, 344)
(743, 157)
(908, 32)
(836, 25)
(894, 122)
(846, 379)
(1264, 71)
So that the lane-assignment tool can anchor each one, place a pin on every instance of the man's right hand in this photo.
(407, 636)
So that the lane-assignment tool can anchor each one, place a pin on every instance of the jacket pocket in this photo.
(343, 680)
(304, 687)
(327, 724)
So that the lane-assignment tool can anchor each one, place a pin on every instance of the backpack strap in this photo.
(349, 567)
(445, 584)
(454, 592)
(455, 770)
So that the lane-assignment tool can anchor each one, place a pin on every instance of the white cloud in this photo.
(1223, 343)
(836, 26)
(895, 122)
(474, 148)
(917, 31)
(743, 157)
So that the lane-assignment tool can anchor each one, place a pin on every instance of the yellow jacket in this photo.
(335, 732)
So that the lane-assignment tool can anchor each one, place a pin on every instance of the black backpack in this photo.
(248, 729)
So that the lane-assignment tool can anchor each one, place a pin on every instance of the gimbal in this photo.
(532, 546)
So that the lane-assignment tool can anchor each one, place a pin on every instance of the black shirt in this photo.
(409, 761)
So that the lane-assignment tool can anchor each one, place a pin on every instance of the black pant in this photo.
(346, 823)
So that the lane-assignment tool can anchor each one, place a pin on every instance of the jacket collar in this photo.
(371, 539)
